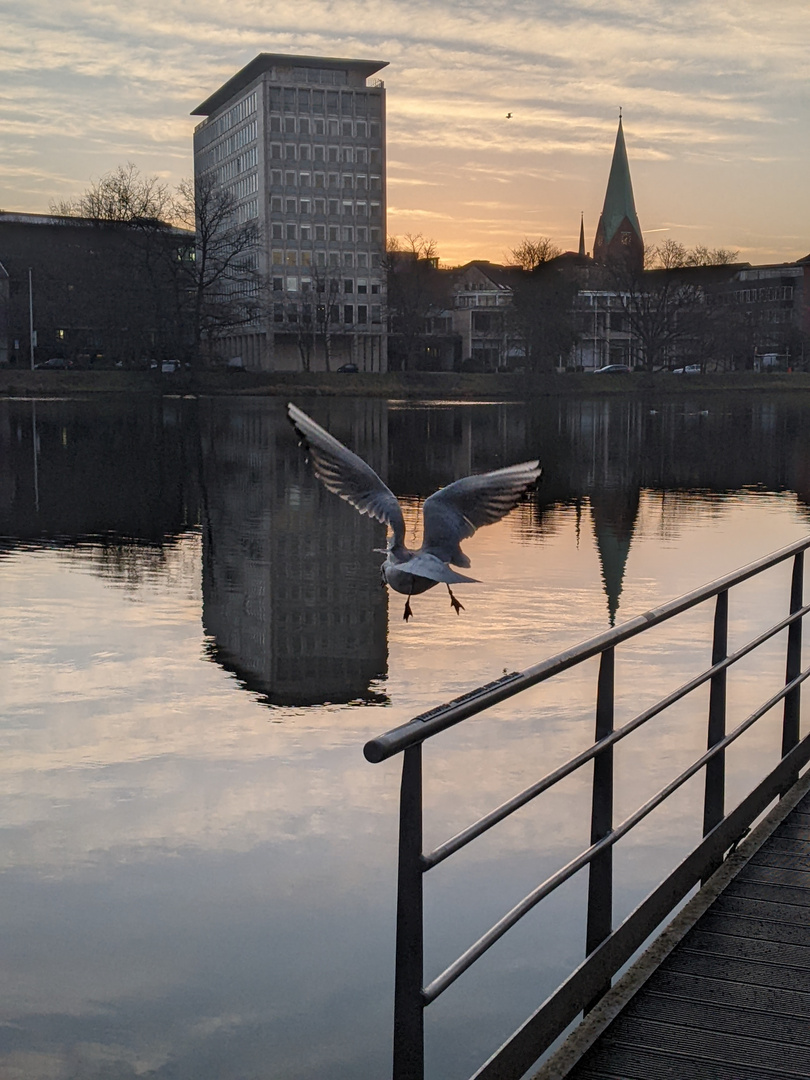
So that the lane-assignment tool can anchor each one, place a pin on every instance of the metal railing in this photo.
(607, 948)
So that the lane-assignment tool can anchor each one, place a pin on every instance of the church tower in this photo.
(618, 234)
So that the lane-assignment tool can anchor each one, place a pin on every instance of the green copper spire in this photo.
(619, 202)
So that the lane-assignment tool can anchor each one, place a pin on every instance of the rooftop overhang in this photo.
(267, 61)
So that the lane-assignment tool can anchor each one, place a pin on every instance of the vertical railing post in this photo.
(409, 1041)
(793, 664)
(715, 791)
(600, 871)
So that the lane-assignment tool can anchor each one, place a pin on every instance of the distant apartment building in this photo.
(300, 143)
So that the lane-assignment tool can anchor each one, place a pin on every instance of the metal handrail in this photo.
(428, 724)
(607, 948)
(461, 839)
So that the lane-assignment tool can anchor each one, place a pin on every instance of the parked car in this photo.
(168, 367)
(348, 369)
(690, 369)
(613, 369)
(56, 363)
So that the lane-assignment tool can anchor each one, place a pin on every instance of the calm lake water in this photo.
(197, 865)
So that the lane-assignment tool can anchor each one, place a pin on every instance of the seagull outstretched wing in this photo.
(453, 513)
(347, 475)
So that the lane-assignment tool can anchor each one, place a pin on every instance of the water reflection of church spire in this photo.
(614, 512)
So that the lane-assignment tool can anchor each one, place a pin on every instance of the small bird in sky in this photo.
(508, 116)
(451, 514)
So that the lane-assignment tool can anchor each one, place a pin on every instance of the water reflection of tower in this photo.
(291, 590)
(609, 444)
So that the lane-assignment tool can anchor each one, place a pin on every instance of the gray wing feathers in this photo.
(453, 513)
(346, 474)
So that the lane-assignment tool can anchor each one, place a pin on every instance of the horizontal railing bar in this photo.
(534, 1036)
(487, 940)
(478, 828)
(425, 726)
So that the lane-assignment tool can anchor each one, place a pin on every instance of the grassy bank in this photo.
(411, 385)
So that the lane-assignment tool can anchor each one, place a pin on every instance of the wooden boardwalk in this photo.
(731, 1001)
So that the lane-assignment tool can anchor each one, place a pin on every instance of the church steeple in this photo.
(581, 251)
(618, 234)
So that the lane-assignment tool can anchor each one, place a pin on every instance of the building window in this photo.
(348, 285)
(334, 180)
(334, 207)
(275, 123)
(303, 123)
(276, 230)
(348, 234)
(348, 313)
(334, 258)
(320, 206)
(348, 181)
(275, 150)
(277, 257)
(275, 204)
(362, 287)
(346, 129)
(290, 206)
(320, 232)
(348, 155)
(318, 153)
(292, 259)
(361, 155)
(289, 151)
(362, 258)
(362, 313)
(289, 179)
(275, 177)
(362, 231)
(318, 127)
(304, 152)
(361, 183)
(289, 125)
(291, 232)
(334, 233)
(304, 205)
(319, 179)
(278, 284)
(348, 258)
(334, 153)
(303, 100)
(303, 179)
(361, 129)
(332, 127)
(306, 233)
(278, 313)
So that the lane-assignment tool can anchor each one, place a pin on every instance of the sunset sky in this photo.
(716, 101)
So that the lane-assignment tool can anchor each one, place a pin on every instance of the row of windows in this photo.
(348, 155)
(303, 125)
(347, 181)
(248, 160)
(349, 314)
(335, 206)
(226, 147)
(247, 210)
(336, 234)
(245, 186)
(332, 286)
(235, 115)
(333, 102)
(770, 293)
(347, 259)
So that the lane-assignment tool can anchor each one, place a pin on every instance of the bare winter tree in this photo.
(226, 286)
(416, 291)
(122, 194)
(533, 253)
(670, 255)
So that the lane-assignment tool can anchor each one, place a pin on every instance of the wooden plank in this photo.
(782, 894)
(756, 908)
(744, 926)
(703, 1045)
(715, 1017)
(643, 1064)
(749, 948)
(770, 999)
(731, 970)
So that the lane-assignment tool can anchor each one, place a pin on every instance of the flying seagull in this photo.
(451, 514)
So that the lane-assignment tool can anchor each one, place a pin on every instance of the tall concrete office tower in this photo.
(300, 143)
